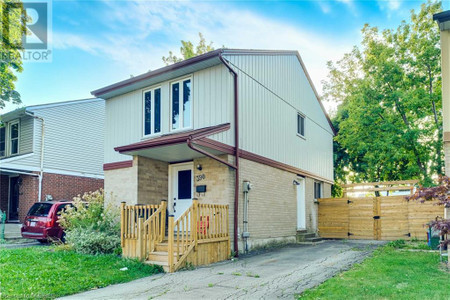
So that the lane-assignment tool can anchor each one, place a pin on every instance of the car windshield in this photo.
(40, 209)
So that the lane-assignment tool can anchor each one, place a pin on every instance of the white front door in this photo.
(181, 185)
(301, 204)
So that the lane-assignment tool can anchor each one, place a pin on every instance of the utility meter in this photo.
(247, 186)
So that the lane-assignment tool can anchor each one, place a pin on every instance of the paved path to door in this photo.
(280, 273)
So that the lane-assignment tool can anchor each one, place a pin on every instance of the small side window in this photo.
(317, 190)
(2, 141)
(301, 125)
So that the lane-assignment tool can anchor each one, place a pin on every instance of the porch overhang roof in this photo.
(175, 146)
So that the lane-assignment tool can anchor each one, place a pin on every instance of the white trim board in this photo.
(12, 167)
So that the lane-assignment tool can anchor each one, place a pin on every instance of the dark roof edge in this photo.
(185, 63)
(442, 16)
(175, 66)
(315, 92)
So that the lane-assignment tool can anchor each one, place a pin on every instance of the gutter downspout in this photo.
(237, 151)
(41, 174)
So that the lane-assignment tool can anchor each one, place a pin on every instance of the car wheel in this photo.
(63, 238)
(43, 241)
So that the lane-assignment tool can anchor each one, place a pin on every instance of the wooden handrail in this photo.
(129, 218)
(154, 230)
(198, 224)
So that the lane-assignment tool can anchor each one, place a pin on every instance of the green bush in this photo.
(92, 241)
(397, 244)
(90, 226)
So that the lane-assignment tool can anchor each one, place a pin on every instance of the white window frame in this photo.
(181, 118)
(9, 147)
(304, 125)
(320, 183)
(152, 133)
(6, 139)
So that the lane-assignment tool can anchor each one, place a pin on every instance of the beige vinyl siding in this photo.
(73, 136)
(212, 104)
(26, 135)
(272, 89)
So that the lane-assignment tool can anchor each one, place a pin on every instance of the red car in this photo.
(41, 221)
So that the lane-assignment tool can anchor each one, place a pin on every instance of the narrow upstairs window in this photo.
(301, 125)
(152, 111)
(2, 141)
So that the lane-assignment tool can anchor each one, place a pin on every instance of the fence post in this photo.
(122, 224)
(170, 243)
(140, 238)
(194, 225)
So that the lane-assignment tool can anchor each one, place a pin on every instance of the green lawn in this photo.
(44, 272)
(389, 274)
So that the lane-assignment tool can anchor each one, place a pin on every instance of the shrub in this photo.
(92, 241)
(91, 228)
(441, 193)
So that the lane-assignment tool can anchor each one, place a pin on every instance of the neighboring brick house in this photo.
(201, 127)
(71, 137)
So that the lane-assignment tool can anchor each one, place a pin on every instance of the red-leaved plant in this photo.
(441, 193)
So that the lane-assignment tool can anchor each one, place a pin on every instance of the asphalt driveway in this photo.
(280, 273)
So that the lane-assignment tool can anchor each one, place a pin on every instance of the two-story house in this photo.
(211, 127)
(51, 151)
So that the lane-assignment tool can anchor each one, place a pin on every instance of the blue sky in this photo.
(97, 43)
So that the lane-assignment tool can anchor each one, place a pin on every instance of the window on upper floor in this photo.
(13, 136)
(152, 111)
(2, 141)
(181, 104)
(301, 125)
(317, 190)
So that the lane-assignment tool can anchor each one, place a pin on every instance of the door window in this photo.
(184, 184)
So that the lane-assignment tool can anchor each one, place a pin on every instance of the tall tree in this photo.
(389, 96)
(188, 50)
(13, 20)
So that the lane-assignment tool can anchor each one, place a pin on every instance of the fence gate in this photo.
(368, 212)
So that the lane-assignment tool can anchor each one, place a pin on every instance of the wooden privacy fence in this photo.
(360, 215)
(199, 236)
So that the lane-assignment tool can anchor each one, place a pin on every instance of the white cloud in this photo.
(394, 4)
(220, 23)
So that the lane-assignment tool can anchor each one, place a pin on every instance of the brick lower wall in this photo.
(28, 194)
(272, 200)
(152, 180)
(272, 204)
(60, 187)
(64, 187)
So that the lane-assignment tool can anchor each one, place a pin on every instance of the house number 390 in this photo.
(200, 177)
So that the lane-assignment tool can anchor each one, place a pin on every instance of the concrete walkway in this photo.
(12, 230)
(281, 273)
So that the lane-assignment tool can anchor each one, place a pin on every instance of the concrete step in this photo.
(314, 240)
(307, 235)
(303, 236)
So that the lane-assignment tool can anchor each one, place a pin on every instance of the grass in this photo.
(389, 274)
(47, 273)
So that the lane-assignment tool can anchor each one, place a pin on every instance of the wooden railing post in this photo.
(170, 243)
(194, 222)
(122, 224)
(140, 238)
(163, 220)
